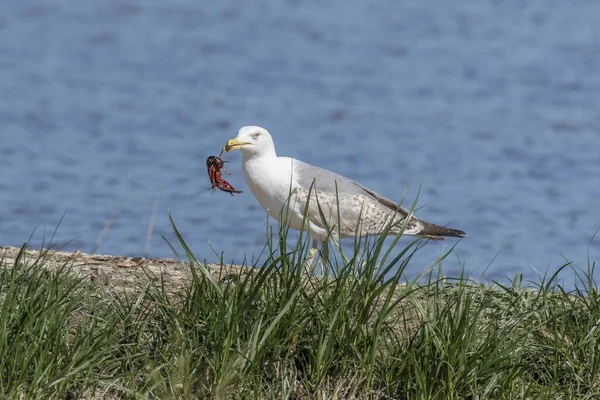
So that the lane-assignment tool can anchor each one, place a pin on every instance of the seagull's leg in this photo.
(324, 255)
(311, 255)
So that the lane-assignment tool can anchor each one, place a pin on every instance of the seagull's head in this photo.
(252, 141)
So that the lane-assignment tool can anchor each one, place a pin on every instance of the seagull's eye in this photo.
(256, 135)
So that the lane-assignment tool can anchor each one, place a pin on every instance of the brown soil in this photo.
(119, 273)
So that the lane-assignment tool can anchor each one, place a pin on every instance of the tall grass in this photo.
(52, 341)
(360, 330)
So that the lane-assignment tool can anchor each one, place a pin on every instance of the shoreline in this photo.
(117, 272)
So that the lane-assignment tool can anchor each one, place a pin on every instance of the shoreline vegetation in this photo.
(75, 325)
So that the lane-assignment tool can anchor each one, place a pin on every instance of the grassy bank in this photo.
(360, 332)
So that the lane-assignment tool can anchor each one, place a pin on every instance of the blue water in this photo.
(108, 111)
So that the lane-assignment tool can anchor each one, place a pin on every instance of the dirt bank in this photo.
(126, 273)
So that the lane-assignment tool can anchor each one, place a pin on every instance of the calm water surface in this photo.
(108, 111)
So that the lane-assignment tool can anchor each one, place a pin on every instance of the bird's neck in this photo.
(268, 155)
(257, 167)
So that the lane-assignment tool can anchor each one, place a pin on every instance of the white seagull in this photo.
(289, 189)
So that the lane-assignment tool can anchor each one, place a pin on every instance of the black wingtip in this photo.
(439, 232)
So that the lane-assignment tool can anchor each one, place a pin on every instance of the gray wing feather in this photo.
(359, 208)
(326, 181)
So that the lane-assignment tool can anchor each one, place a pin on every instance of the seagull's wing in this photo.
(361, 210)
(330, 182)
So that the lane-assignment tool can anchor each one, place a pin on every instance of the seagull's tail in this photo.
(434, 232)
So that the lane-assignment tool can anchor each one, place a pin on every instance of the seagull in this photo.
(309, 198)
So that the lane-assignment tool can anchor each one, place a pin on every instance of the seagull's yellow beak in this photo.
(234, 144)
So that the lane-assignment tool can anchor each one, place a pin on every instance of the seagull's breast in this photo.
(270, 180)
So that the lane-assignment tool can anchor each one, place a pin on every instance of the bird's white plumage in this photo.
(283, 187)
